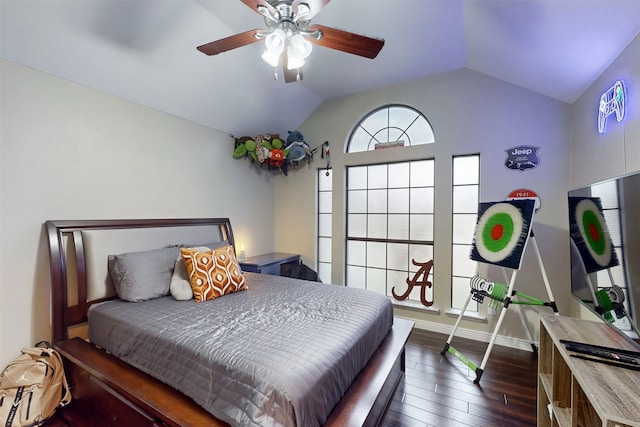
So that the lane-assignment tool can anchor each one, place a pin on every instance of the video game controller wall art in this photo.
(613, 101)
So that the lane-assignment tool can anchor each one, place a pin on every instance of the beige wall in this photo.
(470, 113)
(596, 157)
(474, 113)
(69, 152)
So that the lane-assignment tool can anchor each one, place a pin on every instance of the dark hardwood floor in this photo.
(438, 390)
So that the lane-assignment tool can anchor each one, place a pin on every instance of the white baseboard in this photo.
(517, 343)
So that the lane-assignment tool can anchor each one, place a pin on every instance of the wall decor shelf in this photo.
(576, 392)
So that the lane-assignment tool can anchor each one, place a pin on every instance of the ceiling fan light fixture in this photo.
(303, 10)
(294, 61)
(301, 46)
(275, 41)
(267, 13)
(274, 45)
(270, 57)
(288, 27)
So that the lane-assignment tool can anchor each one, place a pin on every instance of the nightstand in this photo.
(268, 263)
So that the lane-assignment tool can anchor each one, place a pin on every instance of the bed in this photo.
(282, 352)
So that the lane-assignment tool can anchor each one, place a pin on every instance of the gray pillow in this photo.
(140, 276)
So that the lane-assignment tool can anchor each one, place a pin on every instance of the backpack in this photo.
(300, 271)
(32, 387)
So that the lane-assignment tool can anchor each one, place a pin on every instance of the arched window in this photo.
(389, 206)
(390, 126)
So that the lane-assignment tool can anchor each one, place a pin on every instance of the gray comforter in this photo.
(281, 353)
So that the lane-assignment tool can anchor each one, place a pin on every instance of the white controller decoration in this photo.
(613, 101)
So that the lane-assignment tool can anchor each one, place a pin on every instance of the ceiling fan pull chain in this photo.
(275, 73)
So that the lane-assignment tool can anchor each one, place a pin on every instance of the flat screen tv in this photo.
(604, 229)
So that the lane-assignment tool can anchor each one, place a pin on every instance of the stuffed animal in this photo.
(261, 151)
(245, 145)
(276, 158)
(272, 150)
(297, 147)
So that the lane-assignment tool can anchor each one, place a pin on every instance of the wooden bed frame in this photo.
(107, 391)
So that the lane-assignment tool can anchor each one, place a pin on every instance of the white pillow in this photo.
(180, 287)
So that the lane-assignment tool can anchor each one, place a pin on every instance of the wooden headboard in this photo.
(78, 253)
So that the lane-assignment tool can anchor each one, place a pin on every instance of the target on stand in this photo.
(502, 231)
(589, 231)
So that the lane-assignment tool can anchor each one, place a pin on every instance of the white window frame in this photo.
(381, 265)
(389, 126)
(464, 217)
(324, 180)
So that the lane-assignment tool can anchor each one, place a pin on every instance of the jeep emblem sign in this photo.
(522, 158)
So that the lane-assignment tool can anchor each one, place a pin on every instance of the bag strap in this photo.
(14, 407)
(45, 344)
(66, 392)
(37, 351)
(51, 353)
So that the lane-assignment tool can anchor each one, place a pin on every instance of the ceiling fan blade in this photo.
(290, 76)
(228, 43)
(314, 6)
(253, 4)
(345, 41)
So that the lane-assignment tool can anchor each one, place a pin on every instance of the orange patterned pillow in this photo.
(213, 273)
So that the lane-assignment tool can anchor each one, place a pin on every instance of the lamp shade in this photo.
(301, 46)
(271, 57)
(274, 44)
(275, 41)
(294, 60)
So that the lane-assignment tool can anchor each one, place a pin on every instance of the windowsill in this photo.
(416, 306)
(473, 316)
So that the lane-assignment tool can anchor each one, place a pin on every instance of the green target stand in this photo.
(503, 231)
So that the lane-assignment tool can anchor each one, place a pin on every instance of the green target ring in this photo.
(594, 232)
(498, 232)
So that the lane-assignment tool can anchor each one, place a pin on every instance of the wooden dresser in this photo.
(577, 392)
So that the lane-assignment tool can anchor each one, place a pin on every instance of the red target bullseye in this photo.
(594, 232)
(497, 231)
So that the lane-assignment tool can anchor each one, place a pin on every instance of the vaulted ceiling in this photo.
(145, 50)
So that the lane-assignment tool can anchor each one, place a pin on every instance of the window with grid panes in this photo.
(391, 124)
(390, 211)
(325, 182)
(466, 186)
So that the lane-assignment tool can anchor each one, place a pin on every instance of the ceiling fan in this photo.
(289, 35)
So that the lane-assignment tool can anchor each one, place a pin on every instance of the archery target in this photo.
(590, 233)
(502, 231)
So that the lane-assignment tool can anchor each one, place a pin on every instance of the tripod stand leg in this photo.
(503, 312)
(455, 327)
(526, 328)
(552, 301)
